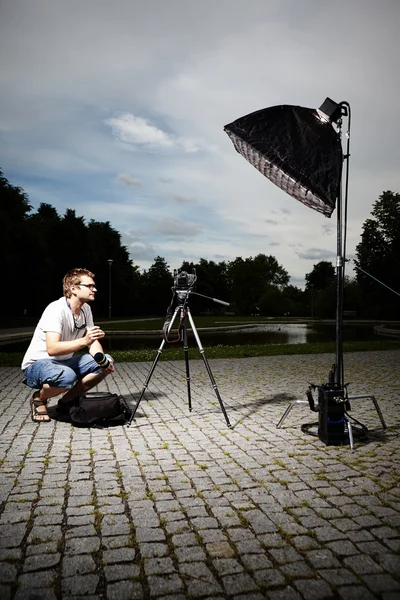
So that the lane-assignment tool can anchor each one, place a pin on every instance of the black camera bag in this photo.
(100, 409)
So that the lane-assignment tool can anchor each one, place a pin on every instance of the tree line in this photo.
(38, 248)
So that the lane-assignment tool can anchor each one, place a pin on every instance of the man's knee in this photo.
(48, 392)
(50, 373)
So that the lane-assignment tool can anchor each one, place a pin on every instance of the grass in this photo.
(13, 359)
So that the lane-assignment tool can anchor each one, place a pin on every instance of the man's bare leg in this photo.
(43, 396)
(80, 387)
(48, 392)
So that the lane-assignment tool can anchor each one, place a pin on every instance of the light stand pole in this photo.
(341, 247)
(110, 262)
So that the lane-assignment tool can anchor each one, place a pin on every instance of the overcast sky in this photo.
(116, 109)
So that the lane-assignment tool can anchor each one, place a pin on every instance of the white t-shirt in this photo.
(58, 318)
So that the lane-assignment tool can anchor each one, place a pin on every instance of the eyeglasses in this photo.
(91, 286)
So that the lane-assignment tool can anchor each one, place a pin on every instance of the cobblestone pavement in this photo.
(179, 506)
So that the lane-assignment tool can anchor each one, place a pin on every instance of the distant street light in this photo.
(110, 262)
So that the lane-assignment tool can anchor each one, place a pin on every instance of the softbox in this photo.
(298, 152)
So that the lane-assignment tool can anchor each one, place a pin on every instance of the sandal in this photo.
(36, 415)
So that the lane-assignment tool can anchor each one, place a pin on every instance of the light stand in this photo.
(341, 248)
(333, 401)
(300, 151)
(183, 311)
(332, 396)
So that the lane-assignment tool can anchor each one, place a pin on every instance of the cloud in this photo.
(328, 228)
(316, 254)
(175, 228)
(182, 199)
(126, 179)
(141, 250)
(140, 132)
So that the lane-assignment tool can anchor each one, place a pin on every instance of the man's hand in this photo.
(92, 334)
(110, 368)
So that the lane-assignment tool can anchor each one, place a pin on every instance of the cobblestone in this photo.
(180, 506)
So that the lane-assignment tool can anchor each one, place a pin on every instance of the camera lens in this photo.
(101, 360)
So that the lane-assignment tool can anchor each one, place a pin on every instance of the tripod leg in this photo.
(186, 351)
(350, 430)
(159, 351)
(213, 383)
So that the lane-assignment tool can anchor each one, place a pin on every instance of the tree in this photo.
(322, 276)
(104, 244)
(14, 203)
(212, 281)
(271, 301)
(293, 301)
(250, 279)
(378, 254)
(38, 249)
(320, 289)
(73, 242)
(45, 244)
(14, 208)
(157, 284)
(269, 270)
(352, 295)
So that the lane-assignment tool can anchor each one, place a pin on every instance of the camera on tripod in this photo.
(184, 281)
(182, 289)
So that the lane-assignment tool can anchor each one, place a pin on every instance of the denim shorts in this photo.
(60, 373)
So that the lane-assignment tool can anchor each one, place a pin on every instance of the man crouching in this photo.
(65, 327)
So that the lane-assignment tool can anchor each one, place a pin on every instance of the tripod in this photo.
(183, 310)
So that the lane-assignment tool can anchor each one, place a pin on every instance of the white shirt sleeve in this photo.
(56, 318)
(52, 318)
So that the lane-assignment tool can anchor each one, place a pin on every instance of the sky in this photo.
(117, 110)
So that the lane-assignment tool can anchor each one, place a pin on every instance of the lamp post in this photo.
(110, 262)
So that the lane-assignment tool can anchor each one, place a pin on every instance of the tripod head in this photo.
(184, 284)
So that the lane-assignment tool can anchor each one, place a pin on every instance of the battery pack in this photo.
(331, 423)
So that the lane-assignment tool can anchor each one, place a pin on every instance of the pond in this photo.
(271, 333)
(267, 333)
